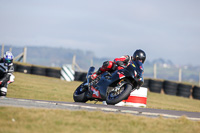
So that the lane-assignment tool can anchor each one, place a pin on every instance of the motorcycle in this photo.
(3, 70)
(112, 87)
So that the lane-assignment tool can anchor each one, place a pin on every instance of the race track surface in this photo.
(30, 103)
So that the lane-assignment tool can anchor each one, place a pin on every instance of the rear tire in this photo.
(80, 94)
(112, 100)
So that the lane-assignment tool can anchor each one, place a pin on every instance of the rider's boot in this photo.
(3, 91)
(4, 85)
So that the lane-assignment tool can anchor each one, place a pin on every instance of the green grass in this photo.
(40, 87)
(45, 88)
(30, 120)
(21, 120)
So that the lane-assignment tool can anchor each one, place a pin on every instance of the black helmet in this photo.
(139, 55)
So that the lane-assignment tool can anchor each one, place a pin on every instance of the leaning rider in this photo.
(118, 63)
(6, 71)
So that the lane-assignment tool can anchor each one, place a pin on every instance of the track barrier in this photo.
(170, 88)
(146, 83)
(184, 90)
(80, 76)
(137, 98)
(155, 85)
(196, 92)
(67, 73)
(38, 70)
(52, 72)
(23, 69)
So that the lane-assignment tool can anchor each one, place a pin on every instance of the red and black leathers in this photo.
(112, 65)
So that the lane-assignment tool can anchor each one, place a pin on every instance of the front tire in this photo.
(80, 94)
(115, 97)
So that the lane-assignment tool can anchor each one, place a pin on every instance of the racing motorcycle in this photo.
(112, 87)
(4, 69)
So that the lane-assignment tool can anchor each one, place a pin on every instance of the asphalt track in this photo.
(30, 103)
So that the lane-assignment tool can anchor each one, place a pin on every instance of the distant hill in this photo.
(56, 57)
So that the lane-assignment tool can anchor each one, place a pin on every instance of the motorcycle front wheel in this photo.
(80, 94)
(117, 95)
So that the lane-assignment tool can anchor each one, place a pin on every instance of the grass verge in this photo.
(30, 120)
(21, 120)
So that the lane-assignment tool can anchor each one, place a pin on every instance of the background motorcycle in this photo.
(3, 88)
(111, 87)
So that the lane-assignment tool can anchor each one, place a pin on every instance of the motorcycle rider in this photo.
(119, 63)
(6, 71)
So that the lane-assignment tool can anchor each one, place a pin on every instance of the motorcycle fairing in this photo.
(121, 75)
(107, 80)
(96, 93)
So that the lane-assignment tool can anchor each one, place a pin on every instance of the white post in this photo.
(180, 75)
(73, 62)
(155, 73)
(24, 55)
(10, 49)
(91, 63)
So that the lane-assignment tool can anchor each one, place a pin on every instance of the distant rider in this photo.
(6, 70)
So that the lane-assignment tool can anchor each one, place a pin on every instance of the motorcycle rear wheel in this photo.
(80, 94)
(113, 97)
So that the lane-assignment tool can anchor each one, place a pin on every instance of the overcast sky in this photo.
(167, 29)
